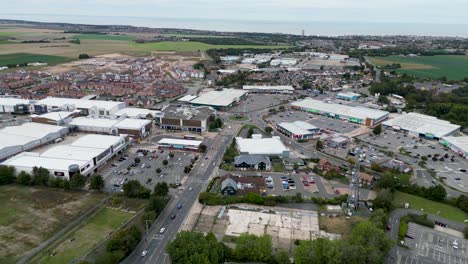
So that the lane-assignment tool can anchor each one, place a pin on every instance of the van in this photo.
(58, 140)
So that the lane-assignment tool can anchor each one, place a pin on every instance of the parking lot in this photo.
(433, 246)
(145, 171)
(255, 102)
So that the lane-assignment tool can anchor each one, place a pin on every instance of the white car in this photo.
(144, 253)
(162, 230)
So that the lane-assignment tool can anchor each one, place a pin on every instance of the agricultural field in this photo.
(19, 58)
(83, 240)
(193, 46)
(428, 206)
(454, 67)
(30, 215)
(104, 37)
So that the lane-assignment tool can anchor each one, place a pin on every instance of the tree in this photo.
(171, 155)
(187, 169)
(436, 193)
(253, 248)
(77, 181)
(96, 182)
(388, 181)
(193, 247)
(40, 176)
(318, 251)
(202, 148)
(83, 56)
(384, 200)
(134, 189)
(158, 170)
(137, 160)
(250, 132)
(282, 257)
(379, 218)
(7, 174)
(165, 162)
(268, 129)
(23, 178)
(161, 189)
(156, 204)
(319, 145)
(377, 130)
(124, 241)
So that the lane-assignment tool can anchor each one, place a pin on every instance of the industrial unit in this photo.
(277, 89)
(94, 108)
(220, 100)
(420, 125)
(14, 105)
(16, 139)
(136, 128)
(349, 96)
(257, 145)
(356, 114)
(181, 144)
(138, 113)
(456, 144)
(55, 118)
(187, 118)
(298, 130)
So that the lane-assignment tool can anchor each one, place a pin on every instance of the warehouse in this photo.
(180, 144)
(457, 144)
(136, 128)
(55, 118)
(349, 96)
(14, 105)
(16, 139)
(278, 89)
(187, 118)
(356, 114)
(262, 146)
(419, 125)
(138, 113)
(94, 108)
(298, 130)
(220, 100)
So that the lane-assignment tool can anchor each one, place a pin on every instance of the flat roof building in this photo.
(457, 144)
(136, 128)
(420, 125)
(14, 105)
(181, 144)
(187, 118)
(95, 108)
(299, 130)
(356, 114)
(277, 89)
(55, 118)
(349, 96)
(220, 100)
(138, 113)
(262, 146)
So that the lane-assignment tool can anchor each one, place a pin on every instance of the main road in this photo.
(154, 242)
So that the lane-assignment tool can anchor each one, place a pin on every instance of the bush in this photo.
(124, 241)
(23, 178)
(96, 182)
(134, 189)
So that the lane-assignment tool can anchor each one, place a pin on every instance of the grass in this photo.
(30, 215)
(277, 166)
(104, 37)
(238, 118)
(18, 58)
(429, 207)
(194, 46)
(339, 225)
(81, 241)
(454, 67)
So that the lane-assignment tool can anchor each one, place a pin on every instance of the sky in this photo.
(369, 11)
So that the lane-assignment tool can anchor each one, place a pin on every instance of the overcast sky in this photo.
(404, 11)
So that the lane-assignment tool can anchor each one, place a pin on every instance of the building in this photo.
(252, 162)
(298, 130)
(137, 113)
(180, 144)
(135, 128)
(456, 144)
(366, 179)
(326, 166)
(349, 96)
(355, 114)
(94, 108)
(337, 141)
(262, 146)
(419, 125)
(232, 185)
(228, 187)
(55, 118)
(187, 118)
(14, 105)
(16, 139)
(394, 164)
(220, 100)
(277, 89)
(85, 155)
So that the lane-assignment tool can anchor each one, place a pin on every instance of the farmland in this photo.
(19, 58)
(454, 67)
(30, 215)
(83, 240)
(194, 46)
(103, 37)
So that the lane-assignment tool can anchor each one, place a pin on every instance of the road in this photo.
(155, 243)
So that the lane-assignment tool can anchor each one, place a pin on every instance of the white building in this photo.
(457, 144)
(298, 130)
(262, 146)
(220, 100)
(136, 128)
(420, 125)
(138, 113)
(14, 105)
(181, 144)
(94, 108)
(277, 89)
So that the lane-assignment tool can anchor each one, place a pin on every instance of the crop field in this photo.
(83, 240)
(194, 46)
(30, 215)
(454, 67)
(430, 207)
(18, 58)
(104, 37)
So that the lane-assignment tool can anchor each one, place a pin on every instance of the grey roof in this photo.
(188, 112)
(251, 159)
(228, 183)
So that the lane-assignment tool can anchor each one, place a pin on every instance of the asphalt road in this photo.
(155, 243)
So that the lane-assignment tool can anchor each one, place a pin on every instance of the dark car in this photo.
(173, 216)
(179, 206)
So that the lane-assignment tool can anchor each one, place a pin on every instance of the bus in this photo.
(190, 137)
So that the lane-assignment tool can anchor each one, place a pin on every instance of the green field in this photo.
(104, 37)
(30, 215)
(454, 67)
(18, 58)
(194, 46)
(429, 206)
(83, 240)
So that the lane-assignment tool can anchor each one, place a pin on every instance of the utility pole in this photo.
(146, 224)
(353, 197)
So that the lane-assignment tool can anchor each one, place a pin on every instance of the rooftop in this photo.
(423, 124)
(188, 112)
(137, 112)
(261, 146)
(129, 123)
(33, 130)
(459, 142)
(30, 159)
(72, 152)
(224, 97)
(94, 122)
(187, 98)
(13, 101)
(80, 103)
(267, 87)
(178, 141)
(56, 116)
(298, 127)
(96, 141)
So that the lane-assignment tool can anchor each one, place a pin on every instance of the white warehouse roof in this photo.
(94, 122)
(97, 141)
(13, 101)
(29, 159)
(224, 97)
(72, 152)
(182, 142)
(132, 123)
(339, 109)
(266, 87)
(261, 146)
(56, 116)
(34, 130)
(134, 112)
(423, 124)
(459, 142)
(187, 98)
(298, 127)
(81, 103)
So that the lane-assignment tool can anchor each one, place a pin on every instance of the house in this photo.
(394, 164)
(366, 179)
(252, 162)
(325, 166)
(228, 187)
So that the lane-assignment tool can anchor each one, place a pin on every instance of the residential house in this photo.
(252, 162)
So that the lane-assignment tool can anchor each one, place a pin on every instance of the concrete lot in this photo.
(255, 102)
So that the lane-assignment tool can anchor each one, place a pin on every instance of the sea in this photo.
(322, 28)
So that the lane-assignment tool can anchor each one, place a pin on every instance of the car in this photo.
(148, 166)
(179, 206)
(455, 244)
(144, 253)
(462, 170)
(173, 216)
(337, 191)
(388, 227)
(457, 179)
(162, 230)
(190, 189)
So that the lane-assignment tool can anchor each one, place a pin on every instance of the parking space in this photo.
(290, 184)
(255, 102)
(145, 171)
